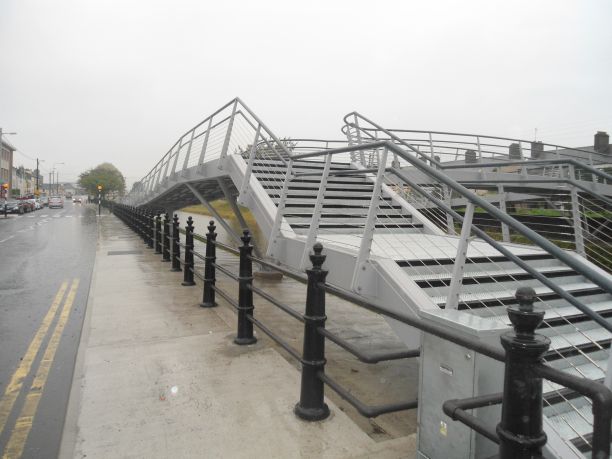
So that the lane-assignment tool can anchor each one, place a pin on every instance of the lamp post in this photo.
(5, 189)
(57, 177)
(37, 192)
(99, 187)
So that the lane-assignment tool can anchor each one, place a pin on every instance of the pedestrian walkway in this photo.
(159, 377)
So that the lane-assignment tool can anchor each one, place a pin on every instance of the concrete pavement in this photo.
(159, 377)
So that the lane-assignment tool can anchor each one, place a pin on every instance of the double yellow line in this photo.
(23, 425)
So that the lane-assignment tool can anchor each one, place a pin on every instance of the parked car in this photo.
(44, 201)
(28, 205)
(56, 202)
(14, 207)
(34, 204)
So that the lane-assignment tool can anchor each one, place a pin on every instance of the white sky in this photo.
(89, 81)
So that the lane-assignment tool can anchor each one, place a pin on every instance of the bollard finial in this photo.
(190, 222)
(246, 237)
(525, 296)
(524, 317)
(317, 258)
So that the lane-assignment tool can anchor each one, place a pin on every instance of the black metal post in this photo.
(208, 298)
(176, 248)
(141, 225)
(150, 229)
(520, 431)
(166, 239)
(245, 294)
(158, 235)
(189, 265)
(312, 406)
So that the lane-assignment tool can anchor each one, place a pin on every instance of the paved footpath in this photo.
(159, 377)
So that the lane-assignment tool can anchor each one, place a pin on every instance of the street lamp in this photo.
(57, 177)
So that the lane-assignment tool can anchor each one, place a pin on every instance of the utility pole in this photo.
(37, 193)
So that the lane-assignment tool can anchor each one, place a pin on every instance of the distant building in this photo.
(6, 163)
(600, 152)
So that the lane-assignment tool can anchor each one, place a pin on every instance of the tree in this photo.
(104, 174)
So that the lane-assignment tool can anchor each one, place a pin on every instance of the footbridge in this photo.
(431, 225)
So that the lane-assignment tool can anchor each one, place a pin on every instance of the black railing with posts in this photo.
(519, 434)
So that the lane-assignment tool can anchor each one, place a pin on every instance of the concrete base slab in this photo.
(159, 377)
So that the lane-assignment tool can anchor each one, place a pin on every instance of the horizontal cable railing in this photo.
(449, 147)
(232, 129)
(515, 439)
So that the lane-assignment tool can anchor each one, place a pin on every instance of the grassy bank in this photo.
(223, 209)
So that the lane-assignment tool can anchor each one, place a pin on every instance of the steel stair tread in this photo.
(574, 423)
(477, 274)
(578, 338)
(549, 313)
(591, 370)
(509, 294)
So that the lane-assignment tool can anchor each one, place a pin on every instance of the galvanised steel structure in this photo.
(402, 225)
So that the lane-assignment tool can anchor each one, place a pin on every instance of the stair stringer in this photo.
(255, 199)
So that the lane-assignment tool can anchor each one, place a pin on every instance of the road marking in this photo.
(23, 425)
(14, 386)
(4, 240)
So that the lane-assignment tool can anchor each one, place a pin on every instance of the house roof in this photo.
(6, 144)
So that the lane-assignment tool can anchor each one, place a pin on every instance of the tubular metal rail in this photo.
(387, 200)
(524, 439)
(562, 192)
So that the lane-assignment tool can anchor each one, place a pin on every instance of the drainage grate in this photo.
(124, 252)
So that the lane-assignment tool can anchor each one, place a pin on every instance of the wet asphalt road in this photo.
(46, 261)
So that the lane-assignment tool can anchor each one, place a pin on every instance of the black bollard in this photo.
(312, 406)
(176, 248)
(520, 431)
(166, 238)
(208, 298)
(158, 240)
(150, 229)
(142, 225)
(245, 294)
(189, 265)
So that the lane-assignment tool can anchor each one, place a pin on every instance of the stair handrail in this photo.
(531, 162)
(582, 268)
(167, 157)
(534, 162)
(481, 136)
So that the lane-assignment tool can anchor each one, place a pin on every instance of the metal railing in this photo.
(573, 173)
(520, 430)
(446, 148)
(394, 198)
(233, 128)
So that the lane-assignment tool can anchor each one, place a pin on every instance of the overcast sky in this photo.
(89, 81)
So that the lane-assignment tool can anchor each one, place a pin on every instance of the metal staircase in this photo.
(383, 209)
